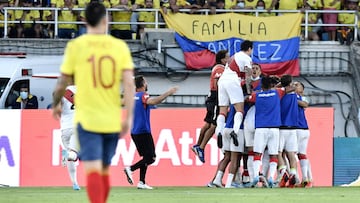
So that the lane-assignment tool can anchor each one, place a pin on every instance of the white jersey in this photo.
(68, 108)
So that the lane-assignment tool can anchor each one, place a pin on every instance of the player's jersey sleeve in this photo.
(68, 64)
(144, 98)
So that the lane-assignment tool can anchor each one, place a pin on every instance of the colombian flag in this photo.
(276, 39)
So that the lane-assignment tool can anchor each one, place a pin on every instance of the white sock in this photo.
(220, 123)
(250, 165)
(309, 172)
(237, 177)
(229, 180)
(304, 168)
(237, 121)
(265, 164)
(257, 164)
(72, 171)
(272, 169)
(219, 176)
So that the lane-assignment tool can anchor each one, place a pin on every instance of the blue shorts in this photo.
(96, 146)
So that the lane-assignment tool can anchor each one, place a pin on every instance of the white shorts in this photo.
(266, 137)
(249, 127)
(303, 136)
(69, 139)
(228, 144)
(288, 140)
(229, 90)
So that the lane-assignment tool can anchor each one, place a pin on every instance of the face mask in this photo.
(24, 95)
(260, 8)
(241, 4)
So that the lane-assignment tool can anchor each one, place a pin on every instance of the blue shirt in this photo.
(289, 111)
(141, 122)
(302, 122)
(267, 106)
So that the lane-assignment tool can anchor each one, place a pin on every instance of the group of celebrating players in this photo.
(257, 119)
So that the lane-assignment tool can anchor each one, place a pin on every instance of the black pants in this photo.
(145, 146)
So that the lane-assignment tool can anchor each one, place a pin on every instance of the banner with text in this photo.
(38, 161)
(276, 39)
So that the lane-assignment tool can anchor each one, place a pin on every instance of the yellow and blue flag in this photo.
(276, 39)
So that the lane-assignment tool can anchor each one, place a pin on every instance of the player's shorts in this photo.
(266, 137)
(212, 109)
(96, 146)
(303, 136)
(69, 139)
(144, 144)
(249, 127)
(229, 90)
(288, 140)
(228, 144)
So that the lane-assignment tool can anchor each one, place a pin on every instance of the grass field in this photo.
(185, 195)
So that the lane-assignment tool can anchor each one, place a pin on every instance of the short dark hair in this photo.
(94, 12)
(286, 80)
(139, 81)
(220, 55)
(245, 45)
(302, 84)
(266, 82)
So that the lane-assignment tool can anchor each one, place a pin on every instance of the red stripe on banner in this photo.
(288, 67)
(199, 59)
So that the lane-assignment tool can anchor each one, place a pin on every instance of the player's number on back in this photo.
(99, 66)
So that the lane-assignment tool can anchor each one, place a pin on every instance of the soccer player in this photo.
(267, 123)
(101, 66)
(230, 90)
(70, 151)
(141, 131)
(303, 135)
(288, 137)
(207, 131)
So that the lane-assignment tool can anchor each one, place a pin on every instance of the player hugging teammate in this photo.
(272, 132)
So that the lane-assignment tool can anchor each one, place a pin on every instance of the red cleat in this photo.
(284, 179)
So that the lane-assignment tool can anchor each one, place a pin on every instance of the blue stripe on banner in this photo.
(264, 52)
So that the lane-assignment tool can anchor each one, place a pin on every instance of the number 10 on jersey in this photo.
(103, 70)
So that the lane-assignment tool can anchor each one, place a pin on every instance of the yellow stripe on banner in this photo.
(223, 26)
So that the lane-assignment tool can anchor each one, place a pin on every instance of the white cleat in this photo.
(142, 185)
(128, 174)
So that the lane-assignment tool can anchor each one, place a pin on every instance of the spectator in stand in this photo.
(135, 16)
(240, 4)
(312, 19)
(147, 16)
(25, 100)
(286, 5)
(347, 33)
(48, 29)
(250, 4)
(261, 6)
(3, 3)
(82, 27)
(121, 31)
(29, 30)
(67, 31)
(173, 5)
(331, 18)
(217, 5)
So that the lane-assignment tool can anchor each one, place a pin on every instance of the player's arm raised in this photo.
(159, 99)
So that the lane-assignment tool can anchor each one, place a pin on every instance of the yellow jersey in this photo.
(67, 16)
(31, 16)
(96, 62)
(156, 3)
(230, 3)
(147, 16)
(120, 16)
(315, 4)
(250, 3)
(290, 4)
(328, 2)
(346, 18)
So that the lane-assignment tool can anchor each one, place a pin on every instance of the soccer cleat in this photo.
(64, 157)
(236, 185)
(217, 184)
(193, 148)
(234, 138)
(219, 141)
(128, 174)
(142, 185)
(292, 181)
(255, 181)
(76, 186)
(271, 182)
(247, 185)
(211, 185)
(309, 184)
(201, 154)
(284, 179)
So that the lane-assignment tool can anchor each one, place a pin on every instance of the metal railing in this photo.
(158, 23)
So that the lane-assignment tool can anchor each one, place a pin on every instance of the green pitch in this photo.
(185, 195)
